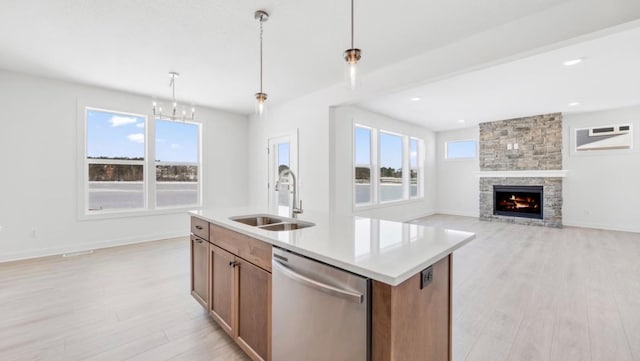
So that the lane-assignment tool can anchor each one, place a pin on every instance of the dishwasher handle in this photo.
(323, 287)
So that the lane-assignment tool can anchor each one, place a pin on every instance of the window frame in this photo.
(149, 169)
(446, 149)
(403, 161)
(419, 168)
(154, 182)
(372, 165)
(375, 198)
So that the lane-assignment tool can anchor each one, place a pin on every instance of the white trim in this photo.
(522, 174)
(55, 251)
(605, 226)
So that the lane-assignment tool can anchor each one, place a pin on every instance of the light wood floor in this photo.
(521, 293)
(123, 303)
(531, 293)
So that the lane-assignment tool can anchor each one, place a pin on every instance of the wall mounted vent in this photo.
(612, 130)
(604, 137)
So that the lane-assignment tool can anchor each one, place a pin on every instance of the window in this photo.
(460, 149)
(391, 164)
(414, 168)
(115, 160)
(363, 165)
(119, 170)
(283, 161)
(177, 163)
(398, 165)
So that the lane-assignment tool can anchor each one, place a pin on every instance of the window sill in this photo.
(136, 213)
(367, 207)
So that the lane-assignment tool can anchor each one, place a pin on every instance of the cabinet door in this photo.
(254, 311)
(222, 288)
(200, 270)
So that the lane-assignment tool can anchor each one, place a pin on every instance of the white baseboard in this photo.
(608, 227)
(453, 212)
(54, 251)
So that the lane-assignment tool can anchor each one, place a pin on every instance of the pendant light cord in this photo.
(352, 24)
(172, 84)
(261, 54)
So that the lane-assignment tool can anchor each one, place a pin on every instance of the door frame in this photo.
(272, 143)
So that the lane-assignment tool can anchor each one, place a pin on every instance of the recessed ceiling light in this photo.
(573, 62)
(416, 99)
(460, 120)
(574, 104)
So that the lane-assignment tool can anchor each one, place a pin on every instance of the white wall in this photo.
(343, 119)
(39, 160)
(602, 188)
(458, 189)
(310, 116)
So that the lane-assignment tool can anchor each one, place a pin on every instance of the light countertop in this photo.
(386, 251)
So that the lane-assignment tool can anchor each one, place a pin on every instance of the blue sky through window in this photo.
(461, 149)
(114, 135)
(390, 151)
(283, 154)
(413, 153)
(176, 142)
(363, 145)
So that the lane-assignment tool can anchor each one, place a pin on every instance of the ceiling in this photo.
(609, 77)
(132, 45)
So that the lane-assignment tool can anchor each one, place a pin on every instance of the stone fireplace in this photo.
(522, 159)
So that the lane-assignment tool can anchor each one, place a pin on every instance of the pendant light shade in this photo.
(352, 56)
(261, 96)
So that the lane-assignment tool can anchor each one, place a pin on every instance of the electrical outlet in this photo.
(515, 146)
(509, 146)
(426, 277)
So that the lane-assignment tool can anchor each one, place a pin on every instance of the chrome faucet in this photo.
(296, 207)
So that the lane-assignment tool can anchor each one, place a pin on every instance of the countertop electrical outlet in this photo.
(426, 277)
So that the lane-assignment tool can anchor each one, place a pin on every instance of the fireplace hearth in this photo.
(518, 201)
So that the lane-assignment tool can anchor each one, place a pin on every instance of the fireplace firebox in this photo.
(518, 201)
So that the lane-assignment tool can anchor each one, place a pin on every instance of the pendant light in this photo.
(261, 96)
(352, 56)
(175, 114)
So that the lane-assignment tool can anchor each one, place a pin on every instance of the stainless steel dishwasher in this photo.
(319, 312)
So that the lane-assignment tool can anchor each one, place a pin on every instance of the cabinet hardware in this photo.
(199, 227)
(234, 264)
(197, 240)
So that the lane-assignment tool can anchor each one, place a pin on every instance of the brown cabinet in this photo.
(222, 288)
(200, 270)
(253, 327)
(237, 288)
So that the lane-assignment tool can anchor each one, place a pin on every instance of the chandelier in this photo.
(178, 112)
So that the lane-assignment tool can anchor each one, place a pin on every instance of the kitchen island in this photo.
(409, 268)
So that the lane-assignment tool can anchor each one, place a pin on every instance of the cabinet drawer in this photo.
(253, 250)
(200, 228)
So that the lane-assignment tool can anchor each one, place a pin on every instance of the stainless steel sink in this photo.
(287, 226)
(257, 220)
(272, 223)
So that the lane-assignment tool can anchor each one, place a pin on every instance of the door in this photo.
(283, 154)
(200, 270)
(254, 311)
(223, 289)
